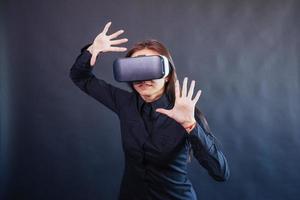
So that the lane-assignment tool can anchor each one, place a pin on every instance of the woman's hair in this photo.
(170, 85)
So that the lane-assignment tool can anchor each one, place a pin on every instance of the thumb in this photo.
(93, 59)
(164, 111)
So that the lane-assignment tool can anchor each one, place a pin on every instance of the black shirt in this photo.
(156, 147)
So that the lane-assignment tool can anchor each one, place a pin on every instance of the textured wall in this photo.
(58, 143)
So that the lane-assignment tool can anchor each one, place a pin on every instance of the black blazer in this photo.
(156, 161)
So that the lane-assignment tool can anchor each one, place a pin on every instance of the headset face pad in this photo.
(141, 68)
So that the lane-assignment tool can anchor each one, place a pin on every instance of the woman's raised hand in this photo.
(184, 107)
(103, 43)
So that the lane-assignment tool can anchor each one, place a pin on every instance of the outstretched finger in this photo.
(106, 27)
(93, 59)
(177, 89)
(184, 87)
(120, 41)
(191, 90)
(197, 96)
(117, 49)
(116, 34)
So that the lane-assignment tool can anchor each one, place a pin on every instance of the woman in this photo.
(159, 124)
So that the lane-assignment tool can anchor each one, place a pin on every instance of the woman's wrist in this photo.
(90, 48)
(188, 122)
(189, 125)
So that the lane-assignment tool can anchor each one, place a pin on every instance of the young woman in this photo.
(160, 124)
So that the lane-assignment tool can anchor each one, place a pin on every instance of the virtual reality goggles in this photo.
(141, 68)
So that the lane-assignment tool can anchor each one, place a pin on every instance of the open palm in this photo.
(103, 43)
(184, 107)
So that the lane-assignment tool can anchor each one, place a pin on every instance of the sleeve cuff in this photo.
(83, 60)
(194, 131)
(85, 47)
(198, 137)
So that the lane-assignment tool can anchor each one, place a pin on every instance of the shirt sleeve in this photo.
(208, 154)
(82, 76)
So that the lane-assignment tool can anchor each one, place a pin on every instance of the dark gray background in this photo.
(58, 143)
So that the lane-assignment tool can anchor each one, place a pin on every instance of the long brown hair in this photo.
(170, 85)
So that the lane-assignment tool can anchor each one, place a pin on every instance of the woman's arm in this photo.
(82, 76)
(208, 154)
(81, 71)
(202, 143)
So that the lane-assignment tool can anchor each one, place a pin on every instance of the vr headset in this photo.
(141, 68)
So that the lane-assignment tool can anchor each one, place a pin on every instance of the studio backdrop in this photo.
(59, 143)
